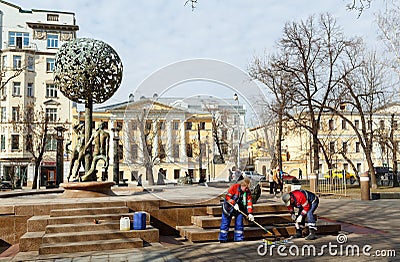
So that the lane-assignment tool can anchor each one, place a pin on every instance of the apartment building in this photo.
(28, 43)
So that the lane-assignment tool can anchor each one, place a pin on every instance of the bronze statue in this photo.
(78, 154)
(101, 139)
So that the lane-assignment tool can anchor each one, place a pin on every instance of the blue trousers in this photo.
(224, 228)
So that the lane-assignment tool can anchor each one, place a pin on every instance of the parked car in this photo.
(5, 185)
(338, 174)
(254, 176)
(289, 179)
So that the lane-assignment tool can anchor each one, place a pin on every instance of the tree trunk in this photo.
(149, 175)
(36, 175)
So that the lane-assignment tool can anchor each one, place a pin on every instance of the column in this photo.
(169, 145)
(111, 152)
(182, 146)
(155, 139)
(126, 135)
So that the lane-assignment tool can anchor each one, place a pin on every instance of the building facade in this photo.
(29, 42)
(179, 136)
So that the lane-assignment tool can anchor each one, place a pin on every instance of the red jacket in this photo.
(233, 196)
(298, 198)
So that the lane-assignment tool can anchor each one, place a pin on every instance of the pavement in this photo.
(370, 232)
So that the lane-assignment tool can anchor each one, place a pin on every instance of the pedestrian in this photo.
(277, 181)
(237, 198)
(300, 174)
(306, 202)
(230, 175)
(271, 182)
(139, 180)
(160, 177)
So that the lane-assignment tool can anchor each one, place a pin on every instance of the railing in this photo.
(332, 186)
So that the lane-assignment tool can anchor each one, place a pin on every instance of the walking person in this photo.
(237, 198)
(307, 202)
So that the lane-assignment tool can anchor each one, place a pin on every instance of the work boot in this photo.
(312, 235)
(299, 233)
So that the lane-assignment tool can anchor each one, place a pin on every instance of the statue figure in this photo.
(78, 154)
(101, 139)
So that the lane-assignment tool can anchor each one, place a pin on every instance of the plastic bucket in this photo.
(139, 220)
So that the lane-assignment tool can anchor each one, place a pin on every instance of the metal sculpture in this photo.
(87, 71)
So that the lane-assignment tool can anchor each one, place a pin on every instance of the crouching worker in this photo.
(237, 198)
(307, 202)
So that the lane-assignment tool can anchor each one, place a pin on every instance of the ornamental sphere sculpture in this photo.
(87, 71)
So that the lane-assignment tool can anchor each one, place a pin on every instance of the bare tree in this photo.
(314, 56)
(34, 127)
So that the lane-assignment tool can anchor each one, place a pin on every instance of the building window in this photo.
(358, 167)
(175, 152)
(161, 125)
(344, 125)
(14, 142)
(332, 147)
(29, 90)
(176, 125)
(121, 152)
(357, 124)
(15, 114)
(49, 64)
(4, 62)
(16, 89)
(224, 134)
(134, 125)
(177, 173)
(52, 17)
(3, 114)
(17, 62)
(134, 153)
(148, 124)
(51, 114)
(382, 124)
(52, 41)
(162, 151)
(224, 148)
(344, 147)
(189, 150)
(357, 147)
(331, 124)
(18, 39)
(29, 143)
(189, 125)
(3, 142)
(31, 62)
(51, 90)
(202, 125)
(203, 149)
(51, 143)
(236, 120)
(395, 126)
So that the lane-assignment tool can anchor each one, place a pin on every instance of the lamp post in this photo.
(60, 155)
(236, 98)
(116, 155)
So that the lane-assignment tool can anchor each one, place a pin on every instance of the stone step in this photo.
(103, 225)
(83, 246)
(88, 211)
(265, 219)
(149, 234)
(261, 208)
(39, 223)
(198, 234)
(31, 241)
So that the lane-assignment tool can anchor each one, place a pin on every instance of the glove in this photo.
(294, 217)
(236, 207)
(299, 219)
(251, 217)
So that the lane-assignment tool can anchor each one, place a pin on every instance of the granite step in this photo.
(84, 246)
(261, 208)
(39, 223)
(103, 225)
(265, 219)
(31, 241)
(198, 234)
(88, 211)
(149, 234)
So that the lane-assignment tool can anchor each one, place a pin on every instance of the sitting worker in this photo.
(237, 200)
(307, 202)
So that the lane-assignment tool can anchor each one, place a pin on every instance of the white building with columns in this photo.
(29, 40)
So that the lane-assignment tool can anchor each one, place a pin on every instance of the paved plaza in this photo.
(370, 232)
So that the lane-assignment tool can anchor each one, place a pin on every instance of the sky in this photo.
(151, 34)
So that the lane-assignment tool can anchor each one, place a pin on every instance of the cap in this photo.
(286, 199)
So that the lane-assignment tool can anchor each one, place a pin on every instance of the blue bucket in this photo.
(139, 220)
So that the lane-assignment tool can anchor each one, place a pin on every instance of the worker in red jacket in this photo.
(307, 202)
(237, 198)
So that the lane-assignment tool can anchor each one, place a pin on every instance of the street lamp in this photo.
(60, 155)
(236, 98)
(116, 155)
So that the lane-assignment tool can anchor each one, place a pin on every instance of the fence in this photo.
(332, 186)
